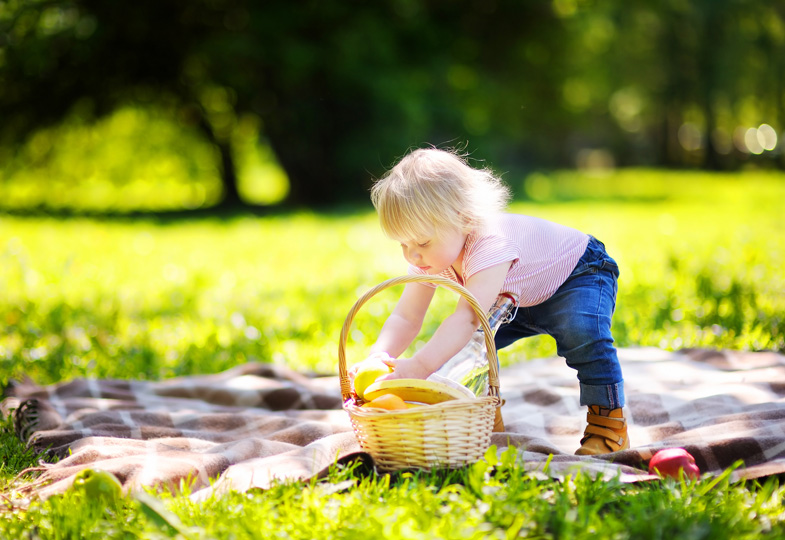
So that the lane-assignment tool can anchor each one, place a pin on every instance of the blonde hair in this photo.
(433, 190)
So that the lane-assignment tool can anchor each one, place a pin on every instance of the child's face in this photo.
(434, 253)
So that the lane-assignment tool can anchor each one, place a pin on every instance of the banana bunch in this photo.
(416, 391)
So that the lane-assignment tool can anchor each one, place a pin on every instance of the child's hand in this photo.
(383, 356)
(406, 368)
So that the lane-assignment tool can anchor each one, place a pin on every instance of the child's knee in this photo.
(588, 336)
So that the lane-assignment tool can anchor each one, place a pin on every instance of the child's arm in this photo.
(405, 322)
(455, 331)
(402, 326)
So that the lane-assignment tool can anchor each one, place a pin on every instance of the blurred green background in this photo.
(177, 105)
(184, 184)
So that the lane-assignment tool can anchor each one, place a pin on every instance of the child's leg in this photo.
(578, 316)
(580, 320)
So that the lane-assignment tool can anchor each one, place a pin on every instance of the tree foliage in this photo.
(339, 90)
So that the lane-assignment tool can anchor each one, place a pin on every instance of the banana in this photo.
(418, 390)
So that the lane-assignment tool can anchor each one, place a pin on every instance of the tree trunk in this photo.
(711, 32)
(313, 156)
(230, 196)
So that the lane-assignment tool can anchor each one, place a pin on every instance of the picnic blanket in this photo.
(260, 423)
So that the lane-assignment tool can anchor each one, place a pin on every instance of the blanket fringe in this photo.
(26, 419)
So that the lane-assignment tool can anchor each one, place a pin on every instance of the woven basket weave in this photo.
(449, 434)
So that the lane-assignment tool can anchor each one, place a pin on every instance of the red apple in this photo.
(668, 462)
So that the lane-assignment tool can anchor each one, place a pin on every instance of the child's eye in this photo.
(424, 244)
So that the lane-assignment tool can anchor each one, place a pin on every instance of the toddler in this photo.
(449, 219)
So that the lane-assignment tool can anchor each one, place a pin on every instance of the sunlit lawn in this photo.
(701, 262)
(701, 266)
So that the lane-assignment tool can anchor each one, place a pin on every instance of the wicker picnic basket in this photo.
(449, 434)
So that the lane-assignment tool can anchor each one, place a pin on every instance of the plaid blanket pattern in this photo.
(259, 423)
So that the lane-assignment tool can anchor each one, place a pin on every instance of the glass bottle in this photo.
(469, 367)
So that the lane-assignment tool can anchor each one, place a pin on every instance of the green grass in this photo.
(701, 262)
(15, 455)
(491, 499)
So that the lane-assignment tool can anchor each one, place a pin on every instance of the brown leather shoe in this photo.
(606, 432)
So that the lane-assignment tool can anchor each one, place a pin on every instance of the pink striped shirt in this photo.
(543, 255)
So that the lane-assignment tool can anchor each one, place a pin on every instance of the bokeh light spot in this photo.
(690, 137)
(751, 141)
(722, 141)
(626, 106)
(767, 137)
(564, 8)
(577, 94)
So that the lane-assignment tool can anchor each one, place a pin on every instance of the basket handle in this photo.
(493, 365)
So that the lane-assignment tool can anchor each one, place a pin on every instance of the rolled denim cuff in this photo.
(610, 396)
